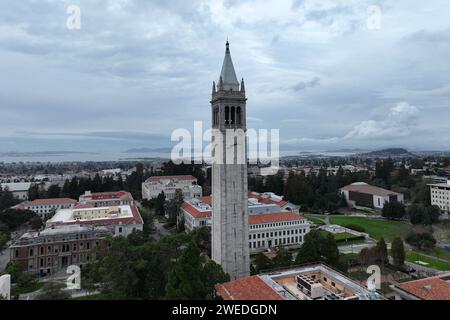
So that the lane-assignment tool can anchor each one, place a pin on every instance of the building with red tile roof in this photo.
(269, 225)
(434, 288)
(45, 207)
(102, 199)
(250, 288)
(310, 282)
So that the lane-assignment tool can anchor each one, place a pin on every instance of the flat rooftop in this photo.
(327, 282)
(126, 214)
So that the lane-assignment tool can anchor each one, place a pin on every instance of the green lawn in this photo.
(376, 228)
(441, 253)
(316, 219)
(412, 256)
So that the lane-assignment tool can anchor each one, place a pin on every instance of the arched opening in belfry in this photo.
(233, 115)
(238, 116)
(227, 115)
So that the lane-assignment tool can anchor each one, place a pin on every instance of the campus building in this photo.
(153, 186)
(271, 223)
(46, 207)
(440, 196)
(434, 288)
(120, 220)
(18, 189)
(312, 282)
(103, 199)
(360, 194)
(56, 248)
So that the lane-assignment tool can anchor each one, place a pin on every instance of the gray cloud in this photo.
(139, 69)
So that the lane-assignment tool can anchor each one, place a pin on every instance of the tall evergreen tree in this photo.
(185, 280)
(398, 252)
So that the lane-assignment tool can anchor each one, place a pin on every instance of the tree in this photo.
(261, 262)
(416, 213)
(53, 291)
(174, 205)
(283, 258)
(307, 253)
(329, 250)
(421, 214)
(431, 215)
(398, 252)
(36, 223)
(202, 238)
(7, 199)
(213, 274)
(423, 240)
(381, 251)
(54, 191)
(393, 210)
(159, 203)
(185, 280)
(3, 241)
(14, 268)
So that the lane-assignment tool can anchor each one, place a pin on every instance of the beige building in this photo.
(440, 196)
(153, 186)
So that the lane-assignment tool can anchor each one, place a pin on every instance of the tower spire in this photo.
(228, 75)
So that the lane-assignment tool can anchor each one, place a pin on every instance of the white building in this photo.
(122, 220)
(18, 189)
(440, 196)
(270, 224)
(360, 194)
(44, 207)
(153, 186)
(269, 230)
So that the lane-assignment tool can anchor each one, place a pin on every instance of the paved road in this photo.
(160, 230)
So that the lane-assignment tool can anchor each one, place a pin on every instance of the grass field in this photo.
(316, 219)
(412, 256)
(376, 228)
(441, 253)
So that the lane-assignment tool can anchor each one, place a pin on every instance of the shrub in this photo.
(355, 227)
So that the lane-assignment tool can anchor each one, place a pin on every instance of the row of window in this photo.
(277, 224)
(64, 248)
(276, 233)
(275, 242)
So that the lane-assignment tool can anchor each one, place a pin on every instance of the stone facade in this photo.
(230, 229)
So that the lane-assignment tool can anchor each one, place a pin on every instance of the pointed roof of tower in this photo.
(228, 74)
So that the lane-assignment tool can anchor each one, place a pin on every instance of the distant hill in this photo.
(390, 152)
(147, 150)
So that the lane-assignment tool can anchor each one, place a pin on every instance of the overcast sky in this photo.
(320, 71)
